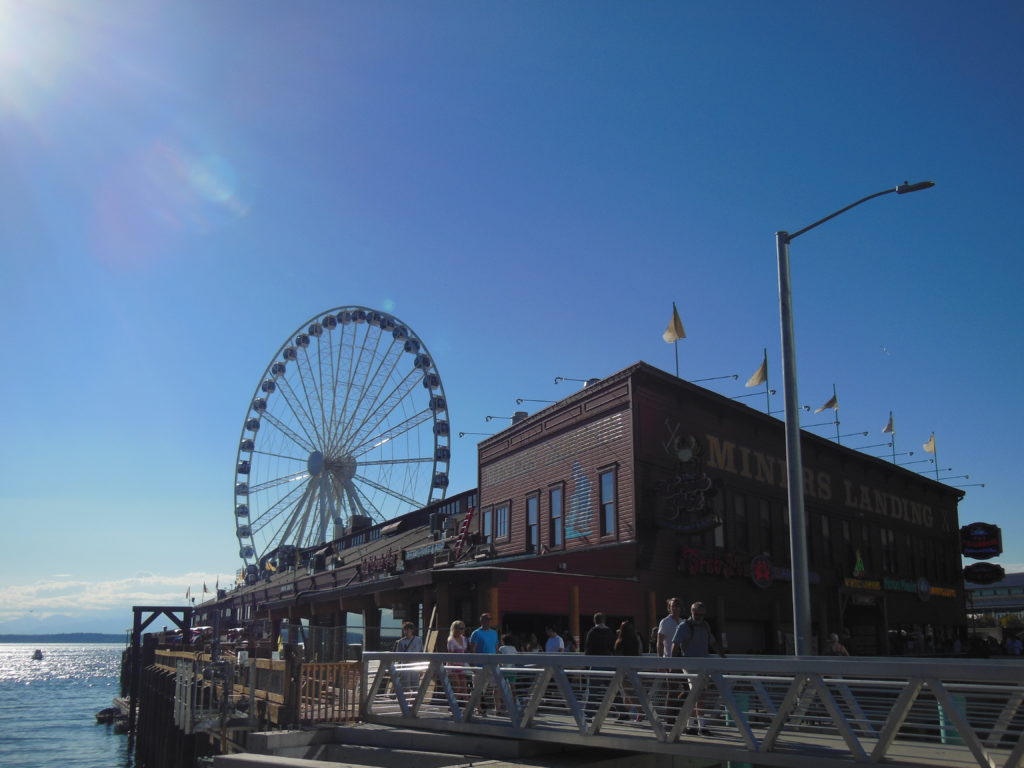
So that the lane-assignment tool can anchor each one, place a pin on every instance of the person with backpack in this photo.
(694, 638)
(409, 642)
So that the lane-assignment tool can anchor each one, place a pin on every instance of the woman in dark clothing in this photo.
(627, 643)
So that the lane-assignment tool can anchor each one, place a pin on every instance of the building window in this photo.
(606, 481)
(767, 542)
(556, 534)
(501, 522)
(737, 526)
(487, 525)
(533, 523)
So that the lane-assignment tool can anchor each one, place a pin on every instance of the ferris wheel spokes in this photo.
(308, 513)
(394, 354)
(390, 403)
(309, 442)
(356, 504)
(359, 415)
(388, 491)
(388, 435)
(267, 484)
(355, 361)
(328, 509)
(305, 373)
(300, 513)
(303, 459)
(286, 507)
(305, 419)
(396, 462)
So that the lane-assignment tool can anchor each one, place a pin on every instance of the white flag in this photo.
(675, 331)
(833, 402)
(760, 375)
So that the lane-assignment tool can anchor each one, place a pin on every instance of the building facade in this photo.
(671, 490)
(638, 488)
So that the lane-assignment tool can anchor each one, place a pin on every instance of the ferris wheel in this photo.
(348, 423)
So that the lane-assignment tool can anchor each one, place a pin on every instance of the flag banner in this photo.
(833, 402)
(188, 593)
(890, 428)
(675, 331)
(760, 375)
(205, 590)
(929, 447)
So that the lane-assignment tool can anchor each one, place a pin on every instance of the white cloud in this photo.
(65, 595)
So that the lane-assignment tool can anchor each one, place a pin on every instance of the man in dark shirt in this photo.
(600, 641)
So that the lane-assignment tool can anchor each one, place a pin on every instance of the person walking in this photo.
(554, 643)
(600, 641)
(667, 689)
(667, 626)
(694, 639)
(627, 643)
(835, 646)
(484, 640)
(508, 646)
(409, 642)
(457, 643)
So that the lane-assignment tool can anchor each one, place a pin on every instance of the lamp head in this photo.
(906, 187)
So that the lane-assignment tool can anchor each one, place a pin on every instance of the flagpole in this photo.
(893, 437)
(835, 413)
(675, 346)
(767, 395)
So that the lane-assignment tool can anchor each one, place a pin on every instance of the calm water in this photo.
(48, 708)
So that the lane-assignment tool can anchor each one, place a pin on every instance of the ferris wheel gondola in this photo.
(349, 422)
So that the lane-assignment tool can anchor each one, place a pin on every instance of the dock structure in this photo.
(637, 488)
(549, 709)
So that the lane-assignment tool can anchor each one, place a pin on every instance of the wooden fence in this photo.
(282, 692)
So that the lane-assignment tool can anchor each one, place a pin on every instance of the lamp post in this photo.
(794, 462)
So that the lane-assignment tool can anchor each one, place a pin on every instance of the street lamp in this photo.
(794, 463)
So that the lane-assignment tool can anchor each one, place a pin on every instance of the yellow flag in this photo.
(833, 402)
(929, 447)
(760, 375)
(675, 331)
(890, 428)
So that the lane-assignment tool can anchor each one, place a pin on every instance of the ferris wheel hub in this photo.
(315, 463)
(343, 468)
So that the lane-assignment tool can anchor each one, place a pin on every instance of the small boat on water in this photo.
(37, 654)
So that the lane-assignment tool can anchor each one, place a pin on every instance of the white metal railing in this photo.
(769, 710)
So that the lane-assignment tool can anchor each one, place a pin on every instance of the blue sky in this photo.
(528, 185)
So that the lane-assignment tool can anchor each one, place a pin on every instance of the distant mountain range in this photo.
(64, 637)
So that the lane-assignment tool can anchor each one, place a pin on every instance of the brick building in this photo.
(637, 488)
(642, 486)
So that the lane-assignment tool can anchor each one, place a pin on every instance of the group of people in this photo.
(674, 636)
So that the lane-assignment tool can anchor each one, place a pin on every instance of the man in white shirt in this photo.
(667, 627)
(668, 690)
